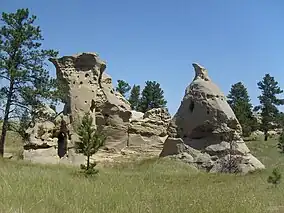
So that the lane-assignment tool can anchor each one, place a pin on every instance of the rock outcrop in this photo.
(206, 132)
(89, 89)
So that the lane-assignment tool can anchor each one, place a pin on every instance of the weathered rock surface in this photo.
(206, 124)
(89, 89)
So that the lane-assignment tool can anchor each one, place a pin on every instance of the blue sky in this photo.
(158, 40)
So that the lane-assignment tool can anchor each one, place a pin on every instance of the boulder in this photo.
(154, 122)
(206, 123)
(89, 89)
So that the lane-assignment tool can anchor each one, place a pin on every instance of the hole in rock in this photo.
(81, 82)
(62, 144)
(86, 102)
(191, 106)
(93, 105)
(87, 75)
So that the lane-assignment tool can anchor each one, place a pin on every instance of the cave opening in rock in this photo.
(62, 144)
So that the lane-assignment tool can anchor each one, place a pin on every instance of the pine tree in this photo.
(122, 87)
(134, 97)
(239, 101)
(152, 97)
(268, 102)
(22, 61)
(91, 141)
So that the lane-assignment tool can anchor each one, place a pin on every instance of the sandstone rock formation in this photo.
(206, 132)
(89, 89)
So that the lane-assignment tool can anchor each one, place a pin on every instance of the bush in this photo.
(275, 177)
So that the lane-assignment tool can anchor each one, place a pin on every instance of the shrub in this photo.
(275, 177)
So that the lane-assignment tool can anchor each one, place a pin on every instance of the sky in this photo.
(236, 40)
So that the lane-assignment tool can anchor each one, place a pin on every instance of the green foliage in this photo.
(134, 97)
(275, 177)
(152, 97)
(91, 141)
(268, 102)
(22, 67)
(122, 87)
(239, 101)
(24, 125)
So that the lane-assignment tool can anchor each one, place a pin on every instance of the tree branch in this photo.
(2, 76)
(18, 104)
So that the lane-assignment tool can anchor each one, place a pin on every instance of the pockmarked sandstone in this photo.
(88, 88)
(205, 131)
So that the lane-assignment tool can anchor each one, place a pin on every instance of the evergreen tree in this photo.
(134, 97)
(91, 141)
(122, 87)
(22, 61)
(268, 102)
(239, 101)
(152, 97)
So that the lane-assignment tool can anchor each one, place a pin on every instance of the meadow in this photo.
(151, 185)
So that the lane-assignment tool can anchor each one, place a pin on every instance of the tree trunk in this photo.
(265, 136)
(6, 119)
(88, 162)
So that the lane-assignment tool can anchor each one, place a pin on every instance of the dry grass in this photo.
(154, 185)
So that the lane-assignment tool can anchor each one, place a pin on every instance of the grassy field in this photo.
(154, 185)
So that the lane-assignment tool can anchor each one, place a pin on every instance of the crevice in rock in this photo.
(191, 106)
(36, 146)
(62, 144)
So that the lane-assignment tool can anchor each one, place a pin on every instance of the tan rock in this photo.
(205, 122)
(89, 89)
(154, 122)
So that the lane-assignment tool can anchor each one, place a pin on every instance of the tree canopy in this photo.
(239, 101)
(152, 97)
(26, 82)
(134, 97)
(123, 87)
(268, 102)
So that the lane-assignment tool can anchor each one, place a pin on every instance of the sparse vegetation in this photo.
(275, 177)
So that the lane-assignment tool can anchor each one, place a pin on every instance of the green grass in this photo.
(153, 185)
